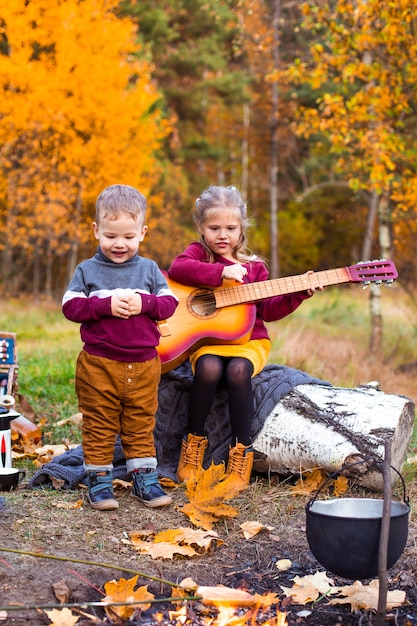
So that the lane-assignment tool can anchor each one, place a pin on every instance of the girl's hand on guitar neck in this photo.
(312, 290)
(235, 272)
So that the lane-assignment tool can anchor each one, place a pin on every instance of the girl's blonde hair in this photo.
(215, 199)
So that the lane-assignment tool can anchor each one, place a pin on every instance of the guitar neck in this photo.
(252, 292)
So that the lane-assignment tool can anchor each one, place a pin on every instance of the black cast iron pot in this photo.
(343, 533)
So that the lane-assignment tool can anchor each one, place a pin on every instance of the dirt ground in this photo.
(37, 521)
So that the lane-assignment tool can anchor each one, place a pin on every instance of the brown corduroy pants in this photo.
(117, 398)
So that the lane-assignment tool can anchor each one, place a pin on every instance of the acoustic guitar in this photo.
(227, 314)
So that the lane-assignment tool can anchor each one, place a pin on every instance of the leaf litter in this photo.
(206, 507)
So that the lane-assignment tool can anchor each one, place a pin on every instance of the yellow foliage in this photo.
(362, 68)
(78, 112)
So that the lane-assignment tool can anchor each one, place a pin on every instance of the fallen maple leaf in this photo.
(62, 617)
(168, 483)
(191, 536)
(305, 485)
(122, 590)
(250, 529)
(163, 550)
(340, 485)
(180, 540)
(207, 494)
(366, 597)
(309, 588)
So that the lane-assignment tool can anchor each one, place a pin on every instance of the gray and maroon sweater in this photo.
(88, 302)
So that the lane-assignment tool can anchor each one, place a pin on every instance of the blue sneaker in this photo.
(146, 487)
(100, 491)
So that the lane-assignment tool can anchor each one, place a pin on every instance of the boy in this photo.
(118, 297)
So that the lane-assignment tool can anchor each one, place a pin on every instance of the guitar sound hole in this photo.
(203, 303)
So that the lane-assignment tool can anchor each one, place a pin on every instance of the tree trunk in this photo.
(370, 226)
(275, 269)
(329, 427)
(245, 152)
(384, 237)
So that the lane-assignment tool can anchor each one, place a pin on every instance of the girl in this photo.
(221, 219)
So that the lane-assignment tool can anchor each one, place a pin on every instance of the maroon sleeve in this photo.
(192, 268)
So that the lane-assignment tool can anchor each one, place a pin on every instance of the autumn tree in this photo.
(361, 108)
(196, 53)
(78, 111)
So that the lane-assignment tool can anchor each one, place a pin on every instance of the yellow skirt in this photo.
(256, 351)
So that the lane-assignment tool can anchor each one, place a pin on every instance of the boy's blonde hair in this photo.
(215, 199)
(118, 199)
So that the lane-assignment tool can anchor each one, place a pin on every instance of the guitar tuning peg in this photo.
(366, 284)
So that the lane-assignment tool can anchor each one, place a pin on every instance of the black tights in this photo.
(236, 372)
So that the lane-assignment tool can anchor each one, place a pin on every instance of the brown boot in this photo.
(239, 466)
(191, 457)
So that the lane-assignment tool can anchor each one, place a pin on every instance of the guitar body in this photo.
(198, 322)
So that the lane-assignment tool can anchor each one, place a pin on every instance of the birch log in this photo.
(329, 427)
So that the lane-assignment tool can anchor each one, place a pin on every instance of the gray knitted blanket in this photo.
(274, 382)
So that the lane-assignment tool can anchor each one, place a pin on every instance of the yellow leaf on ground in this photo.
(206, 519)
(191, 536)
(122, 590)
(118, 483)
(168, 483)
(69, 505)
(62, 617)
(366, 597)
(308, 482)
(163, 550)
(207, 492)
(340, 486)
(180, 540)
(250, 529)
(309, 588)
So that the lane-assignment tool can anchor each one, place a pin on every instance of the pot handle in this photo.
(337, 472)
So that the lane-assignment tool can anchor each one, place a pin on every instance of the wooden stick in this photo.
(384, 537)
